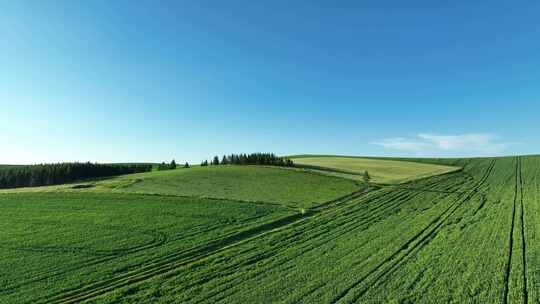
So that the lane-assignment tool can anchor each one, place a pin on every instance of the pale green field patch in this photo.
(380, 170)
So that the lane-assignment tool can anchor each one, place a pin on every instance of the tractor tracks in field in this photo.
(316, 234)
(172, 261)
(511, 241)
(412, 186)
(518, 197)
(157, 238)
(163, 239)
(389, 264)
(98, 257)
(523, 241)
(386, 202)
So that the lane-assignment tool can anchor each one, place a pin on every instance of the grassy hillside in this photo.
(294, 188)
(428, 244)
(51, 241)
(248, 183)
(464, 237)
(60, 236)
(380, 170)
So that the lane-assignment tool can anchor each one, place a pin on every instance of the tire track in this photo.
(427, 238)
(431, 230)
(348, 226)
(313, 289)
(511, 237)
(170, 262)
(523, 243)
(47, 275)
(157, 239)
(434, 184)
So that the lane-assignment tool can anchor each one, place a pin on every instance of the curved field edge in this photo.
(290, 187)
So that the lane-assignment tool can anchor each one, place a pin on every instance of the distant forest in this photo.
(54, 174)
(61, 173)
(269, 159)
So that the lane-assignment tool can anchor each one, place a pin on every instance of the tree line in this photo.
(171, 166)
(54, 174)
(268, 159)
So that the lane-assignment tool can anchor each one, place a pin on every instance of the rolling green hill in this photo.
(380, 170)
(158, 237)
(247, 183)
(54, 240)
(294, 188)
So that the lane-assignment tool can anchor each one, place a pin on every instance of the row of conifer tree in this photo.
(171, 166)
(269, 159)
(54, 174)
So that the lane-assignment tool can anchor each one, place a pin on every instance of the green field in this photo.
(247, 183)
(380, 170)
(293, 188)
(462, 237)
(54, 241)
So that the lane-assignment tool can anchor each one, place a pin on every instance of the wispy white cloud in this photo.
(428, 143)
(402, 143)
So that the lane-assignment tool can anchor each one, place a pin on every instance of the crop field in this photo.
(380, 170)
(247, 183)
(50, 239)
(471, 235)
(294, 188)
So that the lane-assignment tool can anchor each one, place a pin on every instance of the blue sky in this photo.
(115, 81)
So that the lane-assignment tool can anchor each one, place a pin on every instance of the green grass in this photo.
(467, 236)
(431, 243)
(294, 188)
(53, 241)
(380, 170)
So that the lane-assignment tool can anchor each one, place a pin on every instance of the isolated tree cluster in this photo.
(366, 176)
(54, 174)
(268, 159)
(165, 166)
(172, 165)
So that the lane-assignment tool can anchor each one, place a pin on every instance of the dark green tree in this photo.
(172, 165)
(366, 176)
(266, 159)
(186, 165)
(51, 174)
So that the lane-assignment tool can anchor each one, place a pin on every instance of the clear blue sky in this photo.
(137, 81)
